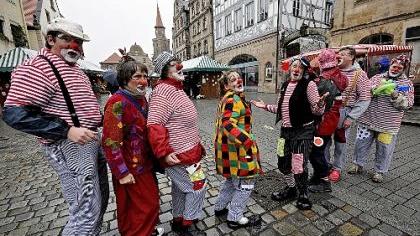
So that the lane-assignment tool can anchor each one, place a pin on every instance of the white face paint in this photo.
(175, 71)
(71, 56)
(395, 70)
(296, 71)
(235, 83)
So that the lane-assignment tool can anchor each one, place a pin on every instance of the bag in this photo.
(330, 120)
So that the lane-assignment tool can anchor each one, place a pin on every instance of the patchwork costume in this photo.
(127, 150)
(236, 154)
(381, 122)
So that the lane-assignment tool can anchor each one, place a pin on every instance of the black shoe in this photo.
(288, 193)
(222, 212)
(322, 186)
(191, 230)
(303, 202)
(253, 220)
(176, 226)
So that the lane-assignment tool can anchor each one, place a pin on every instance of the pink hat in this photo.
(401, 59)
(327, 59)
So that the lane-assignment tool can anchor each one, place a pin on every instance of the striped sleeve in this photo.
(30, 86)
(313, 98)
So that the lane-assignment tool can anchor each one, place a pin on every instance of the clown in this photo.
(236, 152)
(173, 134)
(298, 102)
(382, 120)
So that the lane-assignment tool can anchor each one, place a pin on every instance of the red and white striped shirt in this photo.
(313, 98)
(381, 115)
(173, 109)
(34, 83)
(361, 92)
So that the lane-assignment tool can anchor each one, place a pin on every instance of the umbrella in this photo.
(110, 76)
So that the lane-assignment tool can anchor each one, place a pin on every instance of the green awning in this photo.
(203, 63)
(11, 59)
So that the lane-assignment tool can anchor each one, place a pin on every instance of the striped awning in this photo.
(11, 59)
(15, 57)
(203, 63)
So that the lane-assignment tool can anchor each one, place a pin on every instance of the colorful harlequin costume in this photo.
(127, 150)
(236, 154)
(382, 119)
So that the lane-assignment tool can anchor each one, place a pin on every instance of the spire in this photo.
(159, 23)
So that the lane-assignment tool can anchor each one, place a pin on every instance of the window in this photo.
(228, 25)
(52, 3)
(263, 10)
(268, 71)
(249, 14)
(218, 29)
(381, 39)
(296, 7)
(328, 12)
(206, 47)
(199, 49)
(1, 26)
(238, 19)
(204, 23)
(48, 16)
(19, 37)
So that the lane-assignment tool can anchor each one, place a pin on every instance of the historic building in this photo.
(391, 22)
(38, 13)
(13, 31)
(248, 34)
(135, 52)
(193, 29)
(160, 43)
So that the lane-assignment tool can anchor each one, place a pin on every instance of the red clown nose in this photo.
(75, 46)
(179, 67)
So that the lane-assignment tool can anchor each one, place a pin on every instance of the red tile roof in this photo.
(113, 59)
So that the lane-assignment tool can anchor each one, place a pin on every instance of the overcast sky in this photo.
(113, 24)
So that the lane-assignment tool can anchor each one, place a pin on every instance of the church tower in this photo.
(160, 43)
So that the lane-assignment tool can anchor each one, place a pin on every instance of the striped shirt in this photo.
(313, 98)
(381, 115)
(361, 92)
(173, 109)
(34, 83)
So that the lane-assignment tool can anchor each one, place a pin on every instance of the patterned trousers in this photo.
(84, 181)
(385, 145)
(186, 202)
(234, 193)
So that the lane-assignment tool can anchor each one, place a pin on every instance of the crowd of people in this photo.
(51, 98)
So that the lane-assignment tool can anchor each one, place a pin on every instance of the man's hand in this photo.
(172, 159)
(81, 135)
(347, 123)
(129, 179)
(321, 101)
(259, 104)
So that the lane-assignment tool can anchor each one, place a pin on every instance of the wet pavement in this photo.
(31, 202)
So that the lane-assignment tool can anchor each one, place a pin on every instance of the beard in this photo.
(70, 56)
(141, 90)
(178, 76)
(394, 75)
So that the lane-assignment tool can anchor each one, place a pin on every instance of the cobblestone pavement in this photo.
(31, 202)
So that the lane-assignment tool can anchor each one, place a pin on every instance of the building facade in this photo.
(248, 34)
(160, 43)
(111, 62)
(13, 31)
(392, 22)
(38, 14)
(193, 29)
(135, 52)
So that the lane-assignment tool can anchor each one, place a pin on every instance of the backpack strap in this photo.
(133, 101)
(357, 75)
(65, 92)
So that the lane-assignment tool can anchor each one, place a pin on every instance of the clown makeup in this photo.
(175, 71)
(138, 83)
(395, 70)
(234, 83)
(70, 48)
(344, 59)
(296, 70)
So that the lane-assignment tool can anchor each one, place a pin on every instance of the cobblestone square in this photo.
(31, 202)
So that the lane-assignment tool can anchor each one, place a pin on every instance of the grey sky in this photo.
(113, 24)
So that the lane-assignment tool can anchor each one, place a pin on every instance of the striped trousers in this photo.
(84, 182)
(234, 194)
(186, 202)
(385, 145)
